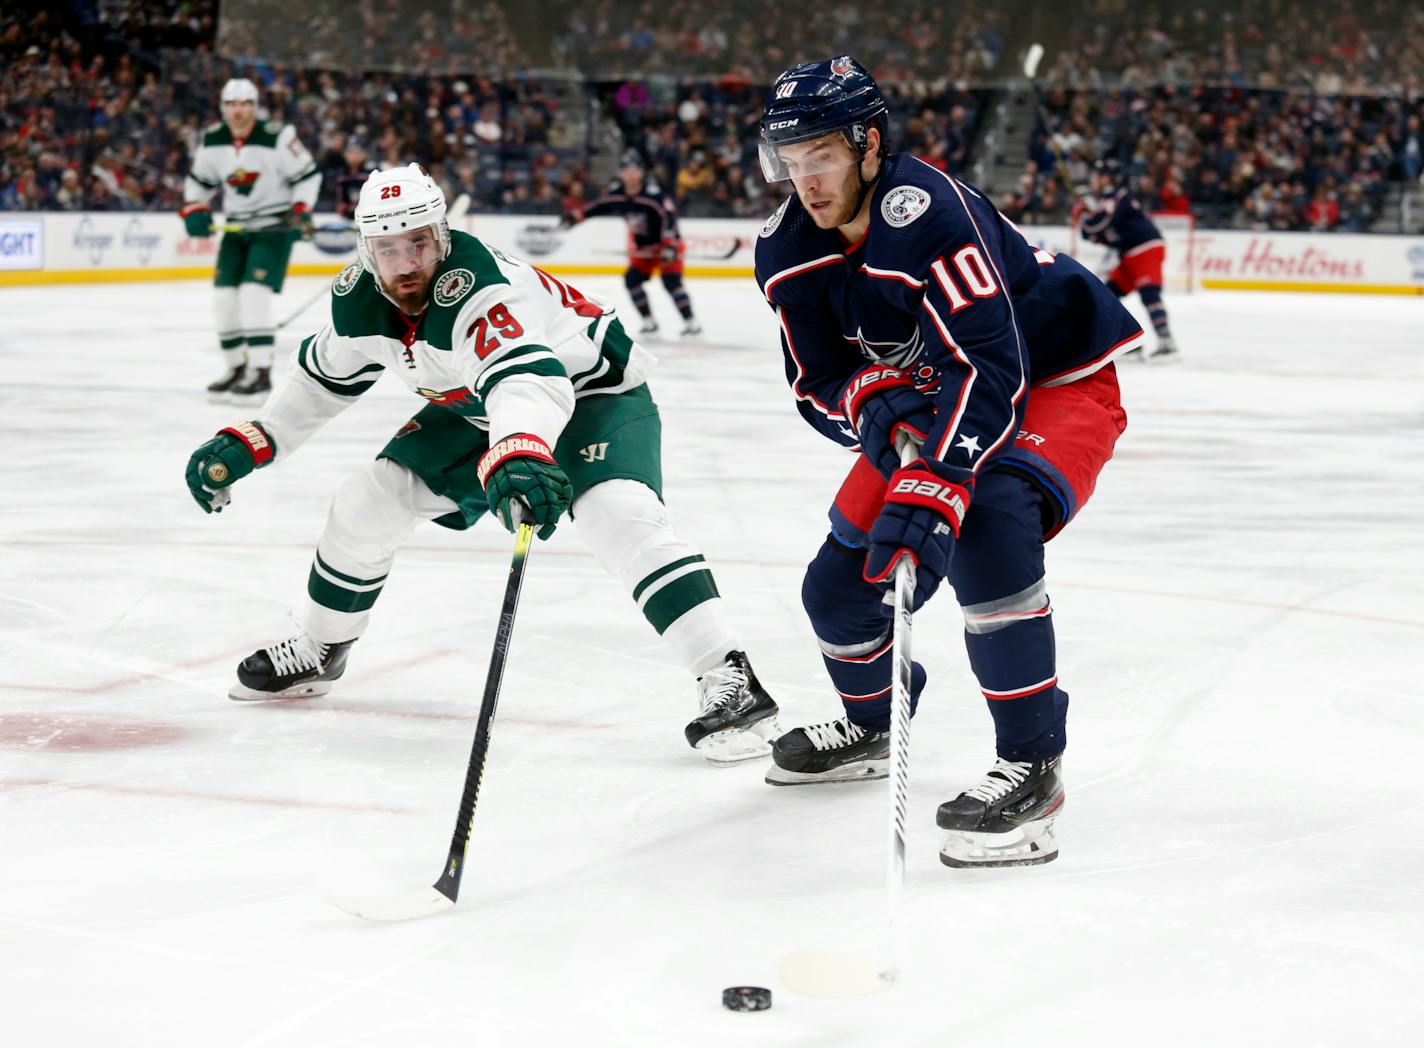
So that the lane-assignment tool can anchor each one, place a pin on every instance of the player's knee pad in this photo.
(672, 282)
(375, 509)
(626, 527)
(227, 311)
(1151, 295)
(999, 552)
(633, 278)
(844, 609)
(255, 304)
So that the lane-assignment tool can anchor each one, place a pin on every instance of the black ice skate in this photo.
(258, 384)
(1007, 820)
(299, 668)
(738, 717)
(837, 751)
(221, 390)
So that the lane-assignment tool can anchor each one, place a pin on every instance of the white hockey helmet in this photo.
(239, 90)
(396, 201)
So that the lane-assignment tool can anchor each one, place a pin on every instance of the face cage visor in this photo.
(368, 248)
(783, 161)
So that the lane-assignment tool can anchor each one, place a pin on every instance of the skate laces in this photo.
(834, 734)
(1003, 777)
(723, 685)
(297, 655)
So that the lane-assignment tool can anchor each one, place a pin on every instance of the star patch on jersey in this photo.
(775, 219)
(453, 286)
(346, 279)
(903, 204)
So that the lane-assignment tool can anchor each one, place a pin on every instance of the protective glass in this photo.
(782, 162)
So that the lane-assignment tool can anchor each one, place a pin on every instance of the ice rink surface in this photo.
(1239, 625)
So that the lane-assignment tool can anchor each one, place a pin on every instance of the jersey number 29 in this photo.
(503, 322)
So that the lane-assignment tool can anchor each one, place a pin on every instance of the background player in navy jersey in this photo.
(654, 244)
(906, 302)
(1112, 216)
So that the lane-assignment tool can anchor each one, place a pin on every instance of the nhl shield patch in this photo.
(453, 286)
(346, 279)
(903, 204)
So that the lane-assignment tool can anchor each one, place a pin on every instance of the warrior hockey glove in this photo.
(521, 467)
(231, 455)
(920, 519)
(197, 220)
(879, 402)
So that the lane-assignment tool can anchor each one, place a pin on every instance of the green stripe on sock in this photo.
(679, 597)
(337, 598)
(347, 578)
(232, 343)
(638, 590)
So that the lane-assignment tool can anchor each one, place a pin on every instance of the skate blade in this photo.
(1159, 359)
(731, 746)
(1029, 845)
(313, 690)
(859, 771)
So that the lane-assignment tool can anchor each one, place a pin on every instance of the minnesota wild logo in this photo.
(347, 279)
(243, 180)
(453, 286)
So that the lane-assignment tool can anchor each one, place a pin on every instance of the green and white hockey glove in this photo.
(300, 222)
(197, 220)
(521, 467)
(231, 455)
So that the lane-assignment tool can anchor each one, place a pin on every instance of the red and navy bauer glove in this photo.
(879, 402)
(920, 519)
(231, 455)
(521, 467)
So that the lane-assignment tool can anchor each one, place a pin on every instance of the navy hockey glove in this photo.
(197, 220)
(670, 253)
(231, 455)
(879, 402)
(920, 519)
(521, 467)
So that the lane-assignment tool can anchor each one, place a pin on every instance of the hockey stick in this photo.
(818, 973)
(427, 902)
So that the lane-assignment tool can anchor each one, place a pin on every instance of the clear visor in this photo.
(780, 163)
(403, 254)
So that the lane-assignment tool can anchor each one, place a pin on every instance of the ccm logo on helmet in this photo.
(780, 124)
(947, 495)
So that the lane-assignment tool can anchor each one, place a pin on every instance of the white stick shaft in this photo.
(888, 967)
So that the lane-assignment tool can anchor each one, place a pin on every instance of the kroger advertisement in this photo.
(45, 248)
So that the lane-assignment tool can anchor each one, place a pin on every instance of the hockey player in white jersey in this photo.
(269, 185)
(536, 394)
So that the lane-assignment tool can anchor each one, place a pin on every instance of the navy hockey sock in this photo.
(1152, 299)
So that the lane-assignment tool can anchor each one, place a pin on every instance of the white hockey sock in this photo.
(256, 304)
(630, 532)
(373, 512)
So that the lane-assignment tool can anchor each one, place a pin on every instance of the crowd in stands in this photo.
(1254, 114)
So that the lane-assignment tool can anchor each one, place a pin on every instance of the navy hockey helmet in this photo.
(815, 99)
(631, 158)
(1109, 169)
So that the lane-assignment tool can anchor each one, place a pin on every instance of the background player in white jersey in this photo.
(269, 186)
(537, 395)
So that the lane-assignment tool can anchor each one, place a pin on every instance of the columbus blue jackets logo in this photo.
(775, 219)
(842, 66)
(903, 204)
(346, 279)
(453, 286)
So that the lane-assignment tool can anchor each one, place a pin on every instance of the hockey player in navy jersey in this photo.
(1113, 217)
(654, 244)
(908, 303)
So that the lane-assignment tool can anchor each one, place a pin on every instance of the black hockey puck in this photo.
(746, 998)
